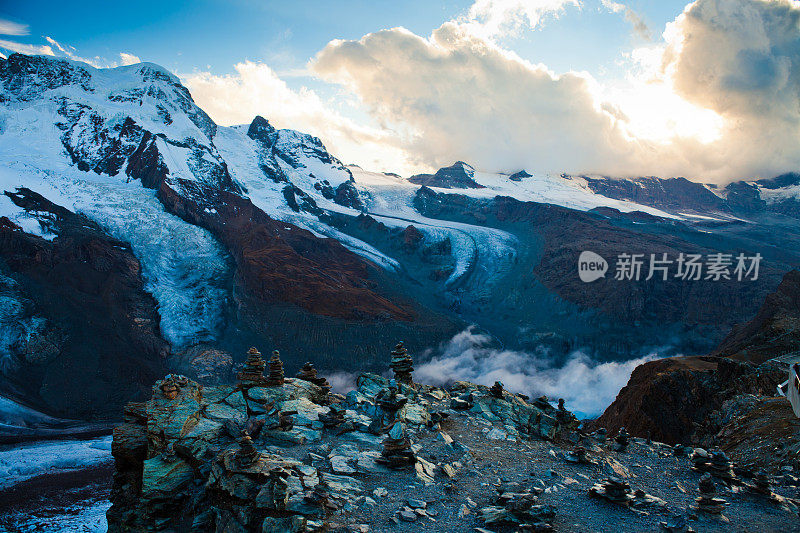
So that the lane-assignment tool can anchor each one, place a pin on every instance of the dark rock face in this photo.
(565, 233)
(261, 130)
(668, 194)
(681, 195)
(457, 176)
(100, 344)
(774, 331)
(674, 400)
(347, 195)
(518, 176)
(26, 77)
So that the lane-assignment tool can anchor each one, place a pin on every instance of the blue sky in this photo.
(594, 86)
(214, 35)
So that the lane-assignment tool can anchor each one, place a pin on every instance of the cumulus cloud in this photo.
(587, 386)
(255, 89)
(490, 18)
(722, 104)
(465, 98)
(8, 27)
(741, 59)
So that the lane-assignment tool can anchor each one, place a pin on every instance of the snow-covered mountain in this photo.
(138, 236)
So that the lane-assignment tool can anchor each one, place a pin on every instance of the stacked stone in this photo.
(253, 371)
(171, 385)
(247, 454)
(333, 418)
(401, 364)
(397, 451)
(708, 502)
(580, 456)
(543, 403)
(761, 484)
(720, 466)
(390, 402)
(275, 377)
(622, 439)
(309, 373)
(497, 390)
(614, 490)
(286, 420)
(563, 416)
(700, 460)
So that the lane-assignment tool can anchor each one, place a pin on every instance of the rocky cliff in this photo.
(82, 317)
(722, 399)
(774, 331)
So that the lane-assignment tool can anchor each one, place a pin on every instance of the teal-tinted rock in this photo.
(162, 478)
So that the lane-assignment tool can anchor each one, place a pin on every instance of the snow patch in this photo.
(21, 462)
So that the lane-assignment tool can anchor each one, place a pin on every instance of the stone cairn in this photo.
(622, 439)
(579, 456)
(397, 451)
(247, 454)
(333, 418)
(497, 390)
(309, 373)
(171, 385)
(761, 484)
(721, 467)
(563, 416)
(390, 402)
(680, 450)
(402, 364)
(614, 490)
(253, 372)
(700, 460)
(708, 502)
(275, 377)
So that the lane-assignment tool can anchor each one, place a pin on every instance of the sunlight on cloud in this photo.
(490, 18)
(256, 89)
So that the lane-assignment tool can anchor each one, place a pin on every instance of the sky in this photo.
(709, 90)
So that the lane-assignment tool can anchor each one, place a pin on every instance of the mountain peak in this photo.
(459, 175)
(260, 129)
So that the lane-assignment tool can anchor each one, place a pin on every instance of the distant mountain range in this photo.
(137, 236)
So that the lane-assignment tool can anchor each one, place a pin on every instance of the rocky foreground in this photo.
(275, 454)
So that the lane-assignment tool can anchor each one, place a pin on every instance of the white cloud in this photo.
(464, 98)
(717, 100)
(29, 49)
(491, 18)
(256, 89)
(586, 385)
(129, 59)
(639, 25)
(70, 52)
(8, 27)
